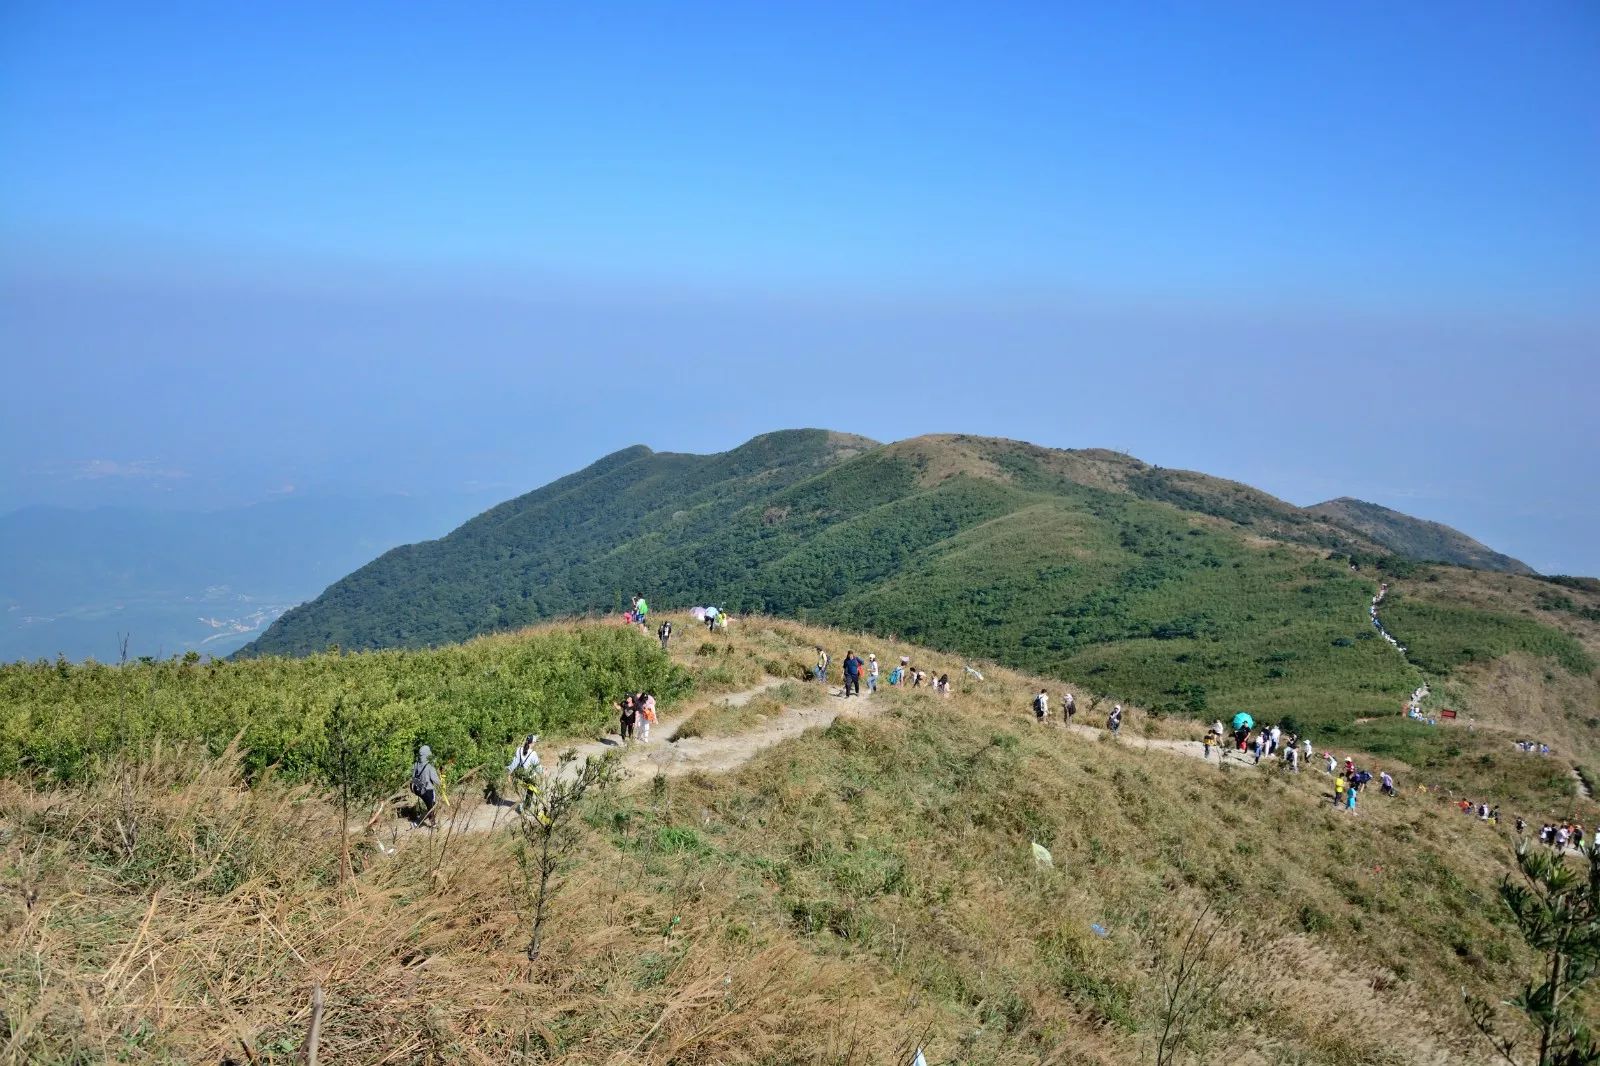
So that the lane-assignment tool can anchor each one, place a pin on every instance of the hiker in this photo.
(1208, 743)
(1069, 708)
(1292, 756)
(1306, 743)
(1339, 786)
(1351, 789)
(1521, 825)
(1114, 721)
(917, 677)
(1257, 744)
(852, 674)
(641, 613)
(1041, 706)
(646, 704)
(872, 671)
(822, 665)
(905, 670)
(425, 786)
(1277, 738)
(664, 634)
(1494, 815)
(1387, 783)
(628, 714)
(711, 619)
(942, 687)
(525, 769)
(1332, 762)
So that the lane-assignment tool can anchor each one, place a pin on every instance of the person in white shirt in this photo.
(1041, 706)
(1277, 738)
(525, 769)
(872, 672)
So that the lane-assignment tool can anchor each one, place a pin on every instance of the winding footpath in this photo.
(640, 762)
(1421, 693)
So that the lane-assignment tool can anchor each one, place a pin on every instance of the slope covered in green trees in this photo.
(1188, 593)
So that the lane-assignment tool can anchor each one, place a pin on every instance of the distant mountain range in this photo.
(71, 580)
(1183, 588)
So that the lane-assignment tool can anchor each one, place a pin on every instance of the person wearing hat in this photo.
(525, 769)
(872, 672)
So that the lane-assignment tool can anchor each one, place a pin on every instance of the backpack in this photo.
(419, 772)
(1038, 704)
(1363, 777)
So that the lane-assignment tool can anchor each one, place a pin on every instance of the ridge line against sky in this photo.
(1324, 249)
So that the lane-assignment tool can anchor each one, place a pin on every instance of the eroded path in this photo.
(640, 762)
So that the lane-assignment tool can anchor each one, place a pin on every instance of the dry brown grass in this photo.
(841, 898)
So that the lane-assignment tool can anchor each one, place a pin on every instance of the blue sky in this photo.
(1324, 248)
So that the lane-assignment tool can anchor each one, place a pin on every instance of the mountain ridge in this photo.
(1190, 593)
(1417, 538)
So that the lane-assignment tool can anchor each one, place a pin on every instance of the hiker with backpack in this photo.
(1041, 706)
(1114, 722)
(641, 613)
(525, 769)
(646, 703)
(1069, 708)
(1360, 778)
(664, 634)
(711, 619)
(822, 664)
(426, 787)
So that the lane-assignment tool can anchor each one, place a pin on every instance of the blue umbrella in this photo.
(1243, 721)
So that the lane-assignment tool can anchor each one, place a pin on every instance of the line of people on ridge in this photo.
(854, 669)
(1069, 711)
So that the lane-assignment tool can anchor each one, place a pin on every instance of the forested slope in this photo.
(1192, 594)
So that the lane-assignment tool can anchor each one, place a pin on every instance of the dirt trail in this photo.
(1583, 786)
(1192, 749)
(640, 762)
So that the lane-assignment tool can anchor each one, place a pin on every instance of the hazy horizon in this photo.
(1339, 250)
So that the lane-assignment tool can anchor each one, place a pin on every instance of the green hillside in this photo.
(1188, 593)
(1417, 538)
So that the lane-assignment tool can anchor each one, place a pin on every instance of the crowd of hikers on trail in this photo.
(854, 669)
(636, 713)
